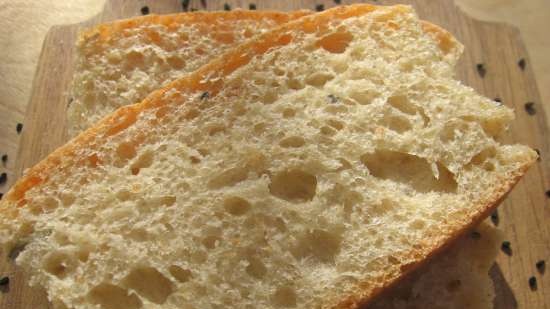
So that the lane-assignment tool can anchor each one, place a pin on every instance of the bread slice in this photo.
(120, 63)
(457, 279)
(311, 167)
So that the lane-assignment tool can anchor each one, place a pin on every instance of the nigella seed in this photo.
(521, 64)
(476, 235)
(538, 154)
(19, 128)
(4, 281)
(506, 247)
(4, 158)
(481, 69)
(252, 6)
(185, 5)
(495, 218)
(204, 95)
(547, 193)
(498, 100)
(530, 108)
(319, 7)
(541, 266)
(533, 283)
(332, 98)
(226, 7)
(145, 10)
(3, 178)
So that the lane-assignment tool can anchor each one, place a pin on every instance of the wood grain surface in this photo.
(524, 216)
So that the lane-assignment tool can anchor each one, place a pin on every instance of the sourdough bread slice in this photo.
(311, 167)
(121, 62)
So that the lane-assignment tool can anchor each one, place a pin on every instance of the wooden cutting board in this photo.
(490, 65)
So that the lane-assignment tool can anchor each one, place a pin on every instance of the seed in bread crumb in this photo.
(4, 158)
(497, 99)
(319, 7)
(495, 218)
(3, 178)
(541, 266)
(185, 5)
(226, 7)
(145, 10)
(204, 95)
(476, 235)
(481, 70)
(506, 247)
(530, 108)
(252, 6)
(521, 64)
(19, 128)
(332, 98)
(533, 283)
(203, 4)
(538, 154)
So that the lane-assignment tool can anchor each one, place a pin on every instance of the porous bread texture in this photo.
(308, 168)
(457, 279)
(120, 63)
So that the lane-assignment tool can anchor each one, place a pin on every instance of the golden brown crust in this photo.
(445, 40)
(195, 82)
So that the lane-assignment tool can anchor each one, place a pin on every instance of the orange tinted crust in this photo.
(445, 40)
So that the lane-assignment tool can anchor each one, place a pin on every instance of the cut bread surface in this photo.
(308, 168)
(120, 63)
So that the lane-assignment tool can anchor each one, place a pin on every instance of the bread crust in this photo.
(199, 82)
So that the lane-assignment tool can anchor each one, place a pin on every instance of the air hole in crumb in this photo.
(259, 128)
(320, 245)
(180, 274)
(110, 296)
(292, 142)
(229, 177)
(289, 113)
(214, 128)
(344, 164)
(211, 242)
(336, 42)
(396, 123)
(318, 79)
(59, 264)
(328, 131)
(483, 156)
(385, 206)
(294, 84)
(126, 150)
(409, 169)
(269, 97)
(256, 268)
(236, 206)
(143, 161)
(150, 284)
(364, 96)
(338, 125)
(191, 114)
(284, 297)
(417, 224)
(293, 185)
(402, 104)
(393, 260)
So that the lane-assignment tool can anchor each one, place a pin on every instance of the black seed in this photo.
(530, 108)
(337, 1)
(203, 4)
(227, 7)
(3, 178)
(533, 283)
(332, 98)
(521, 64)
(252, 6)
(185, 5)
(4, 158)
(547, 193)
(145, 10)
(204, 95)
(1, 196)
(71, 99)
(498, 100)
(319, 7)
(538, 154)
(4, 281)
(194, 9)
(481, 70)
(495, 218)
(541, 266)
(506, 247)
(19, 127)
(476, 235)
